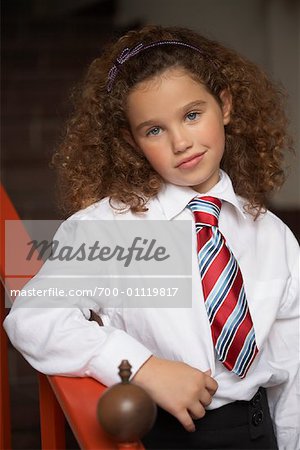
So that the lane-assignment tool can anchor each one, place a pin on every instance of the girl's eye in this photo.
(192, 115)
(154, 131)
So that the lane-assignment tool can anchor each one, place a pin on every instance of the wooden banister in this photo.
(80, 411)
(5, 429)
(8, 211)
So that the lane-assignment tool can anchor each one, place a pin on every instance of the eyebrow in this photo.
(194, 104)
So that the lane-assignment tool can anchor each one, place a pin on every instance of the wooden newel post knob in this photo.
(125, 411)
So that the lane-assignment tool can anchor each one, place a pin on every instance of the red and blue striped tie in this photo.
(223, 289)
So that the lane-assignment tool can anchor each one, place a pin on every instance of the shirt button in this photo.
(256, 399)
(257, 418)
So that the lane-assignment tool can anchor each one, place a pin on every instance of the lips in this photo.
(191, 161)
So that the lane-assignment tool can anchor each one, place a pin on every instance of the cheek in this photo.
(215, 134)
(156, 159)
(159, 160)
(153, 152)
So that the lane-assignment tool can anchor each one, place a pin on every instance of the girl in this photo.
(167, 120)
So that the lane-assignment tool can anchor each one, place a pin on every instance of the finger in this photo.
(208, 372)
(197, 411)
(205, 398)
(186, 421)
(211, 385)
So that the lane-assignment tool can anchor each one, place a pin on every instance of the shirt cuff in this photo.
(118, 346)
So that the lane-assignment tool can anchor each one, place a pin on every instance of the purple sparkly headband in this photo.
(128, 53)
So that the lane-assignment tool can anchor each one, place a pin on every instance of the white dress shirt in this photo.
(62, 341)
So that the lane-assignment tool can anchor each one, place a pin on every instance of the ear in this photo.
(226, 100)
(127, 136)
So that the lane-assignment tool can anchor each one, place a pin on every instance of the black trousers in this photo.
(238, 425)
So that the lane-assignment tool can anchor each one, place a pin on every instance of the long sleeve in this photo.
(62, 341)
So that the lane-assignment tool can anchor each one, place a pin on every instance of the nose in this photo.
(181, 141)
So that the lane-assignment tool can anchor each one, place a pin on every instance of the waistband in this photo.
(237, 413)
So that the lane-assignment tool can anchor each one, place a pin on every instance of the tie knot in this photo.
(206, 210)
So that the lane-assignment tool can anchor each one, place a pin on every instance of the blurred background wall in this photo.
(46, 48)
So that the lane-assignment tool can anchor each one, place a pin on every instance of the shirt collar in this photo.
(173, 199)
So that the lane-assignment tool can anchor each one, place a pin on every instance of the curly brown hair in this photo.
(95, 161)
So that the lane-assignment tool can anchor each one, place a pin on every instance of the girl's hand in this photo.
(178, 388)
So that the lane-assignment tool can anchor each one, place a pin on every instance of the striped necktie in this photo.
(223, 290)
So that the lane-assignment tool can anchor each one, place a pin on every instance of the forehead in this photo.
(167, 79)
(174, 88)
